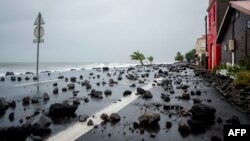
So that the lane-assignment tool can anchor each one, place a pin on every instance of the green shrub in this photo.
(242, 78)
(219, 68)
(232, 70)
(245, 64)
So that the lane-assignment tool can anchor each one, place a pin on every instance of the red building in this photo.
(216, 11)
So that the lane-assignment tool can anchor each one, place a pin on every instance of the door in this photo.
(248, 42)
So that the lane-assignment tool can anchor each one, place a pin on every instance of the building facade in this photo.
(216, 11)
(200, 49)
(234, 33)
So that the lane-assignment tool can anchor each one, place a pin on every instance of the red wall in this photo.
(213, 48)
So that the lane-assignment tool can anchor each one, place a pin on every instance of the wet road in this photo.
(124, 129)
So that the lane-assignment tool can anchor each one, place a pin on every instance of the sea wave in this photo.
(21, 68)
(60, 67)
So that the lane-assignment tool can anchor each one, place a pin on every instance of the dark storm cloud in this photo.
(100, 30)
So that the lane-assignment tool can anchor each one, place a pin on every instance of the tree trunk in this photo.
(141, 63)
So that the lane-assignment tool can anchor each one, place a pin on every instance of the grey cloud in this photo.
(100, 30)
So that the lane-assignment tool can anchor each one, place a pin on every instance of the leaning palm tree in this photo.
(150, 59)
(138, 56)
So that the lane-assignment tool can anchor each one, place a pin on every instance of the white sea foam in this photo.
(21, 68)
(60, 67)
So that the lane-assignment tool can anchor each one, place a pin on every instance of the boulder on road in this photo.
(4, 105)
(96, 94)
(140, 90)
(58, 110)
(13, 134)
(149, 119)
(114, 118)
(147, 95)
(26, 100)
(107, 92)
(104, 117)
(105, 69)
(197, 126)
(45, 96)
(127, 92)
(71, 86)
(203, 112)
(40, 124)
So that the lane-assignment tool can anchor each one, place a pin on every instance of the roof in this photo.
(242, 6)
(211, 3)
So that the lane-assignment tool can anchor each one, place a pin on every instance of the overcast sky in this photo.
(100, 30)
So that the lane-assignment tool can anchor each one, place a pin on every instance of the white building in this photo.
(200, 48)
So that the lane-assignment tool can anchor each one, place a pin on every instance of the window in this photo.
(214, 13)
(226, 47)
(237, 14)
(248, 24)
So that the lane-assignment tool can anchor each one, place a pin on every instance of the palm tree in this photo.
(179, 57)
(138, 56)
(150, 59)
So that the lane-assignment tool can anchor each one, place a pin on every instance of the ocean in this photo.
(22, 67)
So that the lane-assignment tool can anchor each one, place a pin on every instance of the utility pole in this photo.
(206, 42)
(38, 33)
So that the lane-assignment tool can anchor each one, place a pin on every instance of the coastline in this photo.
(21, 68)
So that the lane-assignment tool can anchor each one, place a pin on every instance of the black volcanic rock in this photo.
(147, 95)
(60, 77)
(2, 79)
(58, 110)
(12, 104)
(184, 129)
(4, 105)
(73, 79)
(107, 92)
(132, 85)
(26, 100)
(88, 86)
(83, 118)
(9, 73)
(11, 116)
(197, 126)
(96, 94)
(105, 69)
(140, 90)
(71, 86)
(114, 118)
(64, 89)
(45, 96)
(150, 119)
(127, 92)
(54, 84)
(203, 112)
(13, 134)
(90, 123)
(104, 117)
(55, 90)
(40, 124)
